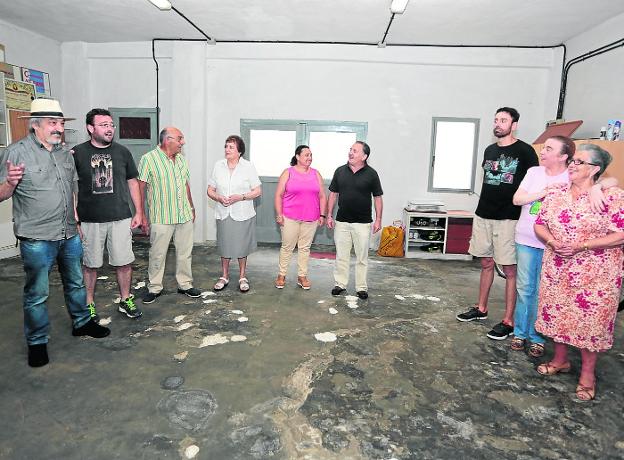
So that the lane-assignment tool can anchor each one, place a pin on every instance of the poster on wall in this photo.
(7, 70)
(40, 79)
(19, 94)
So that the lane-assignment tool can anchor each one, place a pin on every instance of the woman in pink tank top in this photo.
(300, 207)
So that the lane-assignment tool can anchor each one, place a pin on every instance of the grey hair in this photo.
(34, 121)
(162, 136)
(598, 156)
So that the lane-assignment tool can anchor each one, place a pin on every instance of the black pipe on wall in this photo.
(583, 57)
(302, 42)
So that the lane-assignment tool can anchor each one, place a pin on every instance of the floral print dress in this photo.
(579, 296)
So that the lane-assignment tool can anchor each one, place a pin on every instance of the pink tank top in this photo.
(301, 196)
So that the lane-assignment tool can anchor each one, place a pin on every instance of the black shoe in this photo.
(338, 290)
(362, 294)
(191, 292)
(129, 308)
(150, 297)
(92, 329)
(471, 315)
(38, 355)
(500, 332)
(94, 316)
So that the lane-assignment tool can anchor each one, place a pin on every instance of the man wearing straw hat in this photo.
(38, 172)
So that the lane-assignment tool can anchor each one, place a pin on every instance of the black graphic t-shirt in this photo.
(503, 170)
(103, 174)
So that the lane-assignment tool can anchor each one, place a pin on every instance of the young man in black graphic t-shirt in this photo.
(505, 164)
(107, 181)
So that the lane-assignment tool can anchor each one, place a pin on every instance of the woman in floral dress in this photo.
(582, 268)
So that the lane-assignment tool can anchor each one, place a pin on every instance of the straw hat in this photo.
(45, 108)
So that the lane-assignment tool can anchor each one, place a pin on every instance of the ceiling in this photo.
(444, 22)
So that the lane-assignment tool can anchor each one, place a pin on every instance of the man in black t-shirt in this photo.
(107, 181)
(505, 164)
(353, 185)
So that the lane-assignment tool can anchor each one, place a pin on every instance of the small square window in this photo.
(134, 128)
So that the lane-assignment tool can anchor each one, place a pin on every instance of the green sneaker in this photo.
(129, 308)
(92, 313)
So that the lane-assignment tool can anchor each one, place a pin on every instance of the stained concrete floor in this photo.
(404, 380)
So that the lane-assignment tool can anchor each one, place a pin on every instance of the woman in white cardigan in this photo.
(233, 186)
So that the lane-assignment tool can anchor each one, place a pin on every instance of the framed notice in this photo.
(40, 79)
(19, 94)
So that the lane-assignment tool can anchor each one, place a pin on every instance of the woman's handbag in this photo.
(391, 243)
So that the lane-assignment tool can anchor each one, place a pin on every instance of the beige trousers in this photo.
(347, 235)
(160, 236)
(296, 233)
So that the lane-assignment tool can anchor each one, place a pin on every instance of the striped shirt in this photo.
(166, 192)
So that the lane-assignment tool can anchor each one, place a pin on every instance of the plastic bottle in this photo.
(603, 133)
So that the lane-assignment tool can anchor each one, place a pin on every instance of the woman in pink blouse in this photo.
(300, 207)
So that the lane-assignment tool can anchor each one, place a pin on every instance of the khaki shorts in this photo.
(494, 238)
(116, 236)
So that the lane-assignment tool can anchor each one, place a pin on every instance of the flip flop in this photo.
(243, 285)
(221, 284)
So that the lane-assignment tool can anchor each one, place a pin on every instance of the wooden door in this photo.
(18, 126)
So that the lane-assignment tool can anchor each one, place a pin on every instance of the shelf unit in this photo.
(7, 240)
(4, 116)
(451, 231)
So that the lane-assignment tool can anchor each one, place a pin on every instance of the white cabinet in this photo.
(431, 235)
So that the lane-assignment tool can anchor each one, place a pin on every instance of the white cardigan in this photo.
(242, 180)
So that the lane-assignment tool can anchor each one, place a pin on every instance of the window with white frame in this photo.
(454, 144)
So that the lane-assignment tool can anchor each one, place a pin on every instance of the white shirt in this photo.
(243, 178)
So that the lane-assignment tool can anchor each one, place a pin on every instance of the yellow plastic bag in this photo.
(391, 243)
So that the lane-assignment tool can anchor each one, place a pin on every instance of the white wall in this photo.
(26, 49)
(29, 49)
(595, 92)
(205, 90)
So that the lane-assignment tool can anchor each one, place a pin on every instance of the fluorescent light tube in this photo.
(396, 7)
(162, 5)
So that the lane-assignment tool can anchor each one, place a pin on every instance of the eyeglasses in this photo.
(106, 125)
(578, 162)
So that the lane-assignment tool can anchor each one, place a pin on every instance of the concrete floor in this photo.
(404, 379)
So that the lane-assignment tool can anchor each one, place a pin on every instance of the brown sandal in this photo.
(517, 344)
(584, 393)
(551, 369)
(536, 350)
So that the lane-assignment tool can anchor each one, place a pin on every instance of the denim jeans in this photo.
(529, 268)
(39, 258)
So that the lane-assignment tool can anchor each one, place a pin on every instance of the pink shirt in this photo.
(535, 180)
(301, 196)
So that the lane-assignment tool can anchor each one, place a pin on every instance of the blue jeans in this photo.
(39, 257)
(529, 269)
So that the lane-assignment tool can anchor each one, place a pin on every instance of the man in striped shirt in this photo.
(164, 175)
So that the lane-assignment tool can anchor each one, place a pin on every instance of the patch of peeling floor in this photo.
(293, 374)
